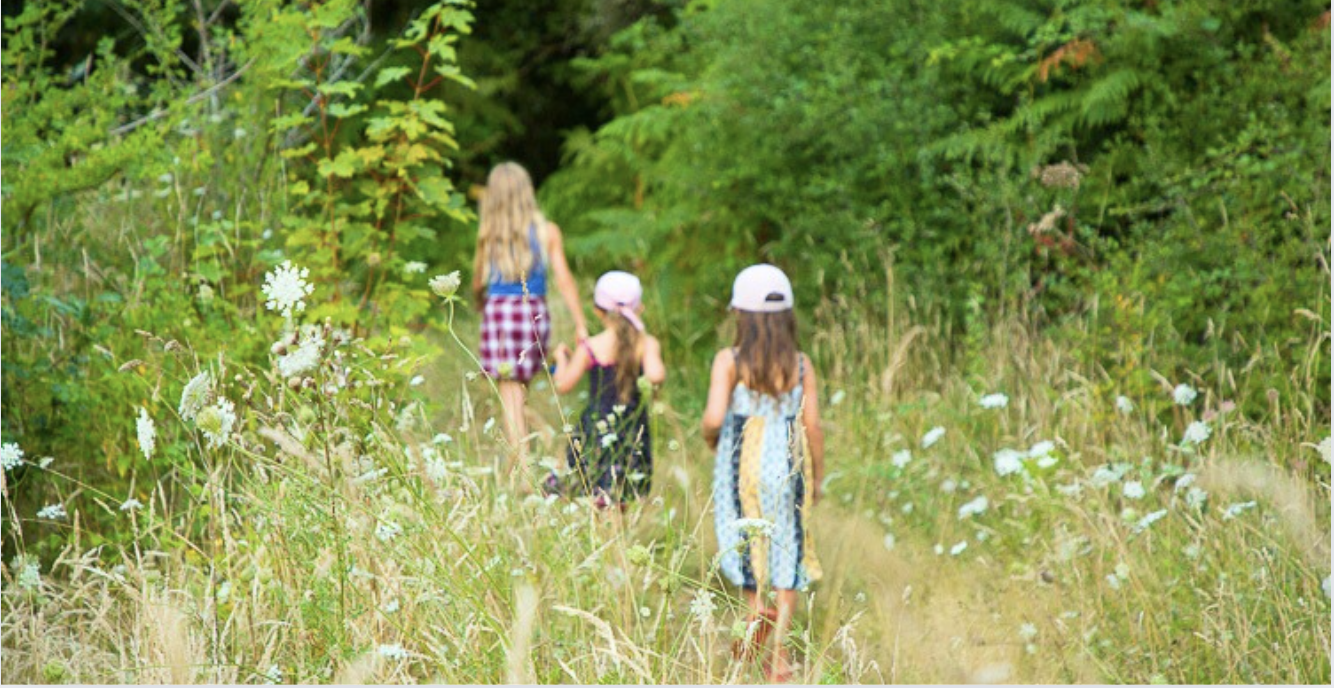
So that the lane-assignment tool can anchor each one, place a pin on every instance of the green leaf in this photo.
(389, 74)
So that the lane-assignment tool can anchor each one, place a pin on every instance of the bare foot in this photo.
(780, 669)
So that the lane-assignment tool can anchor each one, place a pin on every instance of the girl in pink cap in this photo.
(764, 421)
(518, 250)
(610, 452)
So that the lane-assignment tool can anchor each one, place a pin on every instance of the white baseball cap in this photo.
(762, 288)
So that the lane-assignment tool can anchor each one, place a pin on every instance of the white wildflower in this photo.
(958, 548)
(974, 507)
(1325, 585)
(1133, 490)
(1195, 497)
(52, 511)
(1113, 582)
(609, 439)
(147, 433)
(837, 398)
(414, 267)
(488, 426)
(939, 549)
(1125, 405)
(890, 541)
(901, 458)
(304, 359)
(11, 456)
(1196, 433)
(416, 380)
(1185, 481)
(994, 401)
(702, 607)
(195, 395)
(949, 486)
(273, 676)
(1008, 461)
(1028, 632)
(446, 286)
(907, 508)
(932, 436)
(387, 530)
(441, 438)
(673, 445)
(1326, 449)
(1122, 570)
(216, 422)
(1104, 476)
(286, 289)
(131, 504)
(29, 575)
(1046, 461)
(394, 651)
(436, 469)
(45, 461)
(754, 526)
(391, 606)
(1074, 490)
(1041, 449)
(1235, 510)
(1149, 519)
(1184, 394)
(1191, 551)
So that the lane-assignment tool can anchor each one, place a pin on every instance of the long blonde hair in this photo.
(508, 208)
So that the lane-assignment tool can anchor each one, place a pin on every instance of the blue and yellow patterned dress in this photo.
(761, 472)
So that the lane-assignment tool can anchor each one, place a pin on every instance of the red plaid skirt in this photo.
(515, 331)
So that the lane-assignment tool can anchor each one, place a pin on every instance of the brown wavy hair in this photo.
(629, 351)
(766, 351)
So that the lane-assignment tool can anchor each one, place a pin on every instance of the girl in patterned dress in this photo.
(517, 248)
(611, 452)
(764, 421)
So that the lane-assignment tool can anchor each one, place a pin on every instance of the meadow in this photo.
(1062, 269)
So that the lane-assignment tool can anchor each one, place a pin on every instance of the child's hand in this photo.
(562, 354)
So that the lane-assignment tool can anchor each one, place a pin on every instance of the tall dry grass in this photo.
(351, 540)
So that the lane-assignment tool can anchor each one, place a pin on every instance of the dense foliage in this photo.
(1076, 199)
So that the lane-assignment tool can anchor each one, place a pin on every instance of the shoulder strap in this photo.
(589, 348)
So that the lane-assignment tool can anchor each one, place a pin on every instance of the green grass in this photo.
(331, 532)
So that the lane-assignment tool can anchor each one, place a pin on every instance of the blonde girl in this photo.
(518, 250)
(763, 418)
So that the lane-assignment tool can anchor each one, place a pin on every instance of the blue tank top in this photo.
(537, 276)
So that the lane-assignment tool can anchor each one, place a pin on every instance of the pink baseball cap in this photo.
(762, 288)
(620, 292)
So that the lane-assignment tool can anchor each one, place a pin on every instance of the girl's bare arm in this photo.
(569, 291)
(810, 417)
(654, 369)
(478, 286)
(721, 381)
(570, 368)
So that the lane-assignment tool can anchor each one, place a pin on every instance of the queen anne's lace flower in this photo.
(387, 530)
(609, 439)
(216, 422)
(414, 267)
(304, 359)
(958, 548)
(702, 607)
(932, 436)
(394, 651)
(52, 511)
(1149, 519)
(195, 395)
(131, 504)
(1133, 490)
(1124, 404)
(1184, 394)
(1236, 509)
(1326, 449)
(1196, 433)
(974, 507)
(901, 458)
(147, 433)
(29, 571)
(286, 289)
(994, 401)
(1007, 462)
(754, 526)
(446, 286)
(1195, 497)
(11, 456)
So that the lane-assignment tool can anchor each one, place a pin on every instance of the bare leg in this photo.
(780, 669)
(512, 396)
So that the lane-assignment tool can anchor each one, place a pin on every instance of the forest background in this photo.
(1142, 185)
